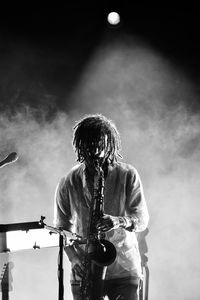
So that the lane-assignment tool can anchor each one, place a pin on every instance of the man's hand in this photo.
(76, 257)
(108, 222)
(77, 266)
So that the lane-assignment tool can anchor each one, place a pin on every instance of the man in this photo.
(97, 142)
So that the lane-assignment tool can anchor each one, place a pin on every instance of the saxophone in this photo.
(99, 253)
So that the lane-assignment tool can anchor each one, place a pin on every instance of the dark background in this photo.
(63, 36)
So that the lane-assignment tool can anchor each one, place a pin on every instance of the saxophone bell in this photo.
(104, 253)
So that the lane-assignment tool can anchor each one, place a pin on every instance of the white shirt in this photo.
(123, 196)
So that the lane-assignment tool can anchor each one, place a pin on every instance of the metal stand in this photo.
(144, 288)
(60, 269)
(63, 235)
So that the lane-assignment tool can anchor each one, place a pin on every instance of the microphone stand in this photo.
(63, 234)
(60, 269)
(60, 257)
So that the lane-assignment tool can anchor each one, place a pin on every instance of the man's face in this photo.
(97, 152)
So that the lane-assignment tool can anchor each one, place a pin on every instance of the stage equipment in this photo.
(26, 226)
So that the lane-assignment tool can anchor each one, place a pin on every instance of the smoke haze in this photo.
(28, 184)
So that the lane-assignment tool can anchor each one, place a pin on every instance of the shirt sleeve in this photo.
(62, 210)
(136, 208)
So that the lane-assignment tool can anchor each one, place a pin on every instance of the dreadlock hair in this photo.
(90, 131)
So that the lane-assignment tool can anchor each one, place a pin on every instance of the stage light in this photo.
(113, 18)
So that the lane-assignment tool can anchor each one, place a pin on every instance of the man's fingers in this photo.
(105, 223)
(105, 228)
(78, 270)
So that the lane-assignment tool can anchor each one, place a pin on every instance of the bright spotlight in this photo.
(113, 18)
